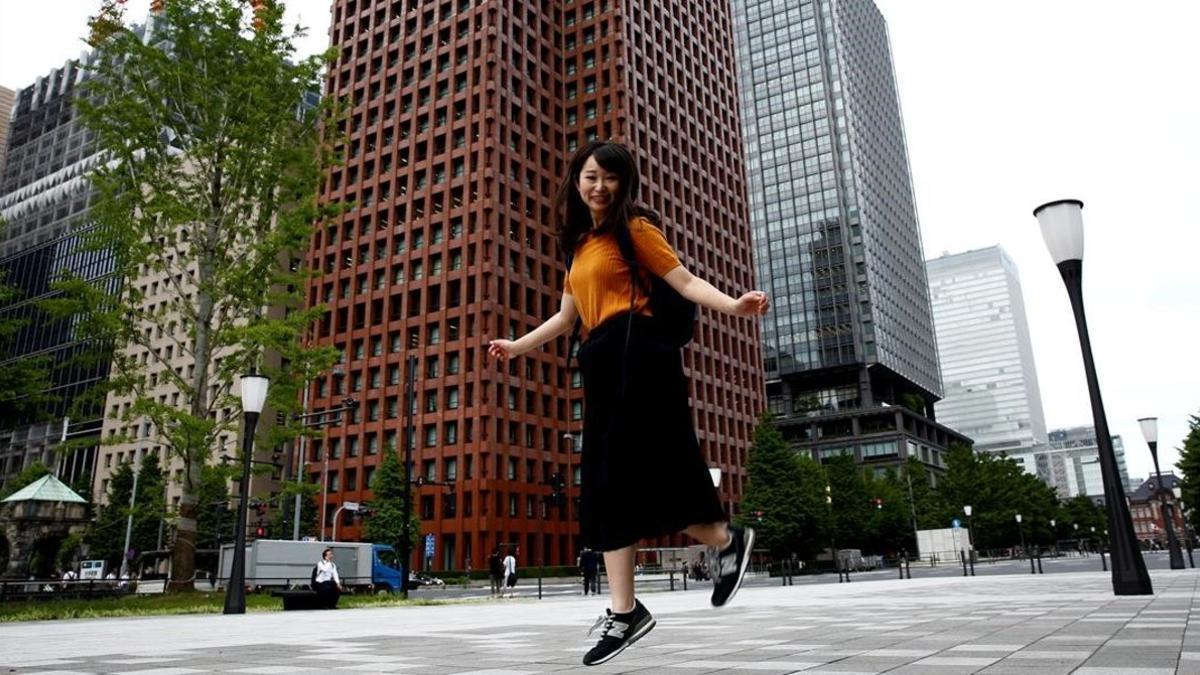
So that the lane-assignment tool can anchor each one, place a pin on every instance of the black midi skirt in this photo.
(642, 470)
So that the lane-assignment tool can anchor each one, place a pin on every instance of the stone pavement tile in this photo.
(1004, 668)
(1125, 671)
(1142, 642)
(160, 671)
(968, 661)
(64, 673)
(987, 648)
(1077, 655)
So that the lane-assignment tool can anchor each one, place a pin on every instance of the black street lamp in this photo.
(254, 396)
(967, 511)
(1061, 222)
(1150, 432)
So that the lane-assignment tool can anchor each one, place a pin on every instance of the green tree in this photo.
(386, 525)
(106, 536)
(214, 522)
(997, 489)
(890, 525)
(281, 522)
(1189, 469)
(28, 475)
(210, 186)
(1085, 513)
(852, 506)
(787, 489)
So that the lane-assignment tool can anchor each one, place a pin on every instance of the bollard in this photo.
(962, 556)
(684, 574)
(672, 578)
(1031, 565)
(907, 568)
(539, 585)
(900, 565)
(1191, 561)
(1103, 561)
(1039, 559)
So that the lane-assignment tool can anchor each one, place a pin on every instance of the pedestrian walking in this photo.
(589, 567)
(510, 574)
(643, 474)
(326, 581)
(495, 571)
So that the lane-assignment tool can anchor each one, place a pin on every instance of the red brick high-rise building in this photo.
(462, 116)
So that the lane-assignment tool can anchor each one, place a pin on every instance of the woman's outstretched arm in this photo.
(699, 291)
(560, 323)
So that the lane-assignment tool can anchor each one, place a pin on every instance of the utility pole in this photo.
(406, 540)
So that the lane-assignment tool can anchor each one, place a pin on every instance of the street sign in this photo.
(956, 524)
(429, 546)
(350, 506)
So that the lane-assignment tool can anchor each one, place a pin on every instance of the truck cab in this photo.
(385, 569)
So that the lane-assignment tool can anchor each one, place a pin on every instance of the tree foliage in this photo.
(29, 474)
(106, 537)
(210, 188)
(1189, 468)
(788, 490)
(386, 524)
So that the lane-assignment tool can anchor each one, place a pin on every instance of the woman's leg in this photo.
(716, 535)
(619, 565)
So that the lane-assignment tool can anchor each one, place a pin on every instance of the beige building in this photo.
(163, 354)
(7, 98)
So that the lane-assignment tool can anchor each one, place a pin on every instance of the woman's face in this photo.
(328, 555)
(597, 187)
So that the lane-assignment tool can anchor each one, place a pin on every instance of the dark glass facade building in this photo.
(45, 197)
(462, 116)
(837, 243)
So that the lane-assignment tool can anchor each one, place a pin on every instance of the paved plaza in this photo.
(1026, 624)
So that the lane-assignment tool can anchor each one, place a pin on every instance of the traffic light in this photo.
(260, 531)
(759, 515)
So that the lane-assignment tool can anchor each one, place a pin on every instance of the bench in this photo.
(306, 599)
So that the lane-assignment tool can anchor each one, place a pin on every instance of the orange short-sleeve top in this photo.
(599, 278)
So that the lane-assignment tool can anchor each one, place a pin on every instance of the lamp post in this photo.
(1021, 531)
(1150, 433)
(1061, 223)
(1054, 534)
(254, 395)
(967, 511)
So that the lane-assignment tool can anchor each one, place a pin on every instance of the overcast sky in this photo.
(1006, 105)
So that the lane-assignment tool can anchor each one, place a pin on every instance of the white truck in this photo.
(283, 563)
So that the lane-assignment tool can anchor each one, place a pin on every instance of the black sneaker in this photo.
(728, 566)
(620, 631)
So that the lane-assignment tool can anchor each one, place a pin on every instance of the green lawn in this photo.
(176, 603)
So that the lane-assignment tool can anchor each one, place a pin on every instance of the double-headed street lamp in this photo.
(1150, 432)
(254, 396)
(1061, 222)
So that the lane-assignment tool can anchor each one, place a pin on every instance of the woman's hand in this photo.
(503, 350)
(754, 303)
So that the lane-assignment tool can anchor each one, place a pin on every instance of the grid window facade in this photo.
(457, 134)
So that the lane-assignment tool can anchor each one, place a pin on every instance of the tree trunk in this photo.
(183, 554)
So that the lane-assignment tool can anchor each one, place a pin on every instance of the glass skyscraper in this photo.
(836, 237)
(991, 386)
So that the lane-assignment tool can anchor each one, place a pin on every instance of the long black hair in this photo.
(574, 219)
